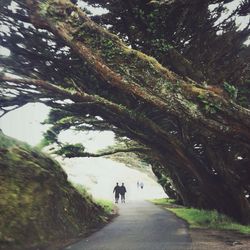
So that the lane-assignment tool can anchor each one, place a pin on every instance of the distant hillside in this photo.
(38, 205)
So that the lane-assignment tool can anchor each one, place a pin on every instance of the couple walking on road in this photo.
(119, 190)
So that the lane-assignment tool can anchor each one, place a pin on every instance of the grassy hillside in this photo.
(38, 205)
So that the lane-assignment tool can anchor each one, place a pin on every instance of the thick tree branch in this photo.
(104, 153)
(170, 144)
(160, 87)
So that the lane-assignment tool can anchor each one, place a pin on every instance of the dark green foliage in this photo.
(209, 106)
(232, 90)
(169, 30)
(69, 150)
(56, 115)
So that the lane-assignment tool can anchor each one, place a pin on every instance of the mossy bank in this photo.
(38, 205)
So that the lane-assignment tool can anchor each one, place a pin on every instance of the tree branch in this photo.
(161, 88)
(111, 152)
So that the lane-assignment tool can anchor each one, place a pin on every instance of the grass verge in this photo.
(202, 218)
(107, 205)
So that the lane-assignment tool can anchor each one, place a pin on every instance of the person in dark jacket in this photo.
(122, 193)
(117, 192)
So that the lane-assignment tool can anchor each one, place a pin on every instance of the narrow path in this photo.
(140, 226)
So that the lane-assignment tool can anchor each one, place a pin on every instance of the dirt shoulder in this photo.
(204, 239)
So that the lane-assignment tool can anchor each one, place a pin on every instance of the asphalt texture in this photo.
(140, 226)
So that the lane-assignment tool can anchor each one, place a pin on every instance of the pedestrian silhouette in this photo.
(138, 184)
(122, 193)
(117, 192)
(141, 185)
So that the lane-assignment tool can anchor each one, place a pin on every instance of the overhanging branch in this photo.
(159, 87)
(110, 152)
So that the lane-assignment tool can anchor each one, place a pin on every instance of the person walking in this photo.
(141, 185)
(122, 192)
(117, 192)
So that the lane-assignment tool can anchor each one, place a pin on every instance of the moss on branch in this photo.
(78, 150)
(134, 72)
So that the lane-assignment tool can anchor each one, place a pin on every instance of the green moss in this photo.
(231, 90)
(209, 105)
(44, 7)
(134, 66)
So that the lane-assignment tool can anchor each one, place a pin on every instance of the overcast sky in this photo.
(25, 124)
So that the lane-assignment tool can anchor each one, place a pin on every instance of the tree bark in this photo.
(150, 85)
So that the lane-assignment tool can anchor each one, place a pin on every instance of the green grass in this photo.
(204, 219)
(7, 142)
(163, 201)
(82, 190)
(107, 205)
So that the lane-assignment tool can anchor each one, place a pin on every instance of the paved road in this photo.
(140, 226)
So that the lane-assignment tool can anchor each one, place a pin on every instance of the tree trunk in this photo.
(146, 84)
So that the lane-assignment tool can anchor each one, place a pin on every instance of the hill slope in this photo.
(38, 205)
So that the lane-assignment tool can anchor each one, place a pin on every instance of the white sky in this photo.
(95, 10)
(25, 124)
(93, 140)
(99, 176)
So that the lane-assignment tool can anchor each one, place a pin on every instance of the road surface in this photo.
(140, 226)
